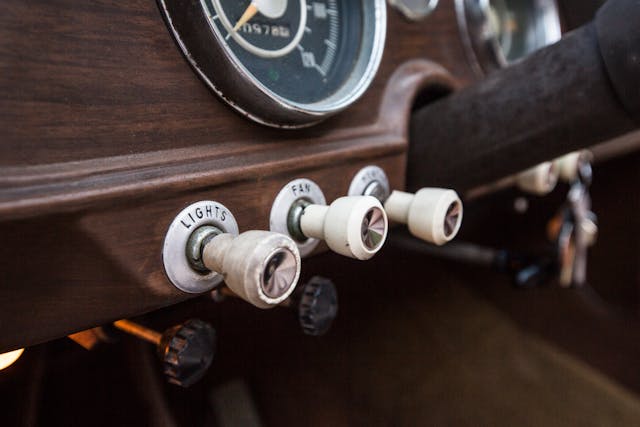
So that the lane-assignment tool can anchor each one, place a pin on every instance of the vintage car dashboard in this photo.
(117, 116)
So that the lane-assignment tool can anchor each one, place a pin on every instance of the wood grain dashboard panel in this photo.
(107, 134)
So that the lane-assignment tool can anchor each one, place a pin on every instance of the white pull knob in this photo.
(354, 226)
(539, 180)
(431, 214)
(569, 165)
(261, 267)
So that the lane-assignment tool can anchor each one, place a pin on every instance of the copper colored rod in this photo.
(138, 331)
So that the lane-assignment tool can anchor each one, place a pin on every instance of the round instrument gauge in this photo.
(499, 32)
(284, 63)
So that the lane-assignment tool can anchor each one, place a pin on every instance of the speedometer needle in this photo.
(270, 8)
(246, 16)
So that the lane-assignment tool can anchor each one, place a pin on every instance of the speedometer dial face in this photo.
(284, 63)
(302, 54)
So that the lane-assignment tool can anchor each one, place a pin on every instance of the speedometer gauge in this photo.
(285, 63)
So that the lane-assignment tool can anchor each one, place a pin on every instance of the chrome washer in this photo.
(366, 178)
(174, 257)
(298, 189)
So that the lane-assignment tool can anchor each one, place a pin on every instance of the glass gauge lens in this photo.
(301, 51)
(521, 27)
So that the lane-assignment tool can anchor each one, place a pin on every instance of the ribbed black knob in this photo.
(187, 351)
(318, 306)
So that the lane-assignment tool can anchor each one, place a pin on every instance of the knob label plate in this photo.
(295, 190)
(198, 212)
(176, 264)
(301, 188)
(366, 177)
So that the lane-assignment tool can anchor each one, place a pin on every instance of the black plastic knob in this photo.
(318, 306)
(187, 351)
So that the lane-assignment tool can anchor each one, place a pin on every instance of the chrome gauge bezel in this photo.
(208, 54)
(412, 13)
(482, 47)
